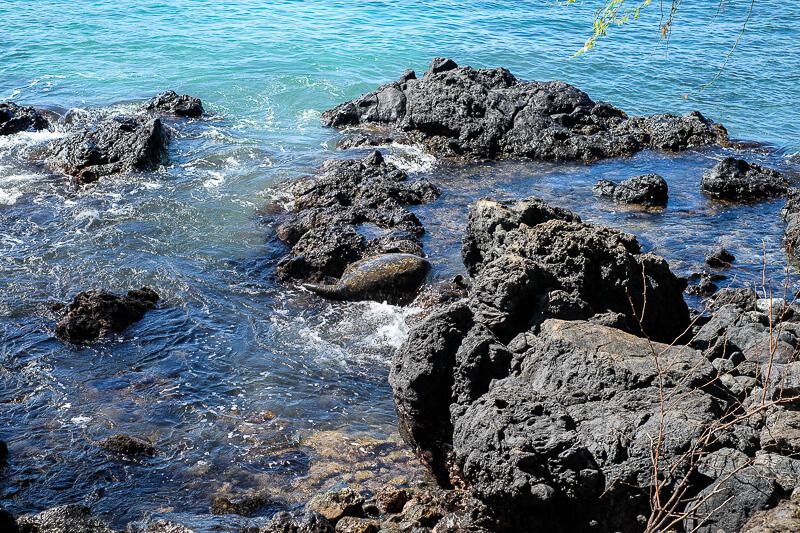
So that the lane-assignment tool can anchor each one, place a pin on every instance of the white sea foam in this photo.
(412, 159)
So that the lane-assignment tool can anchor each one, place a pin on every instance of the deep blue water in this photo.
(227, 343)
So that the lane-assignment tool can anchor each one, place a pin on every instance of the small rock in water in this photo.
(14, 119)
(170, 102)
(704, 287)
(245, 505)
(736, 180)
(720, 258)
(650, 190)
(115, 145)
(128, 446)
(3, 454)
(97, 312)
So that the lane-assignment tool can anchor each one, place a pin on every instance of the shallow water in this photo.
(228, 344)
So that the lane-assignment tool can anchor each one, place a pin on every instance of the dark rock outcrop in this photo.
(352, 210)
(394, 278)
(7, 522)
(64, 519)
(171, 103)
(736, 180)
(649, 190)
(94, 313)
(720, 258)
(3, 454)
(115, 145)
(14, 119)
(242, 504)
(530, 261)
(540, 394)
(309, 522)
(479, 114)
(128, 446)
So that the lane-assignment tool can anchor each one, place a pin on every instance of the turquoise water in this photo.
(228, 343)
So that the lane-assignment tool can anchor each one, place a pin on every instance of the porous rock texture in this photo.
(540, 394)
(15, 118)
(115, 145)
(791, 215)
(736, 180)
(63, 519)
(649, 190)
(481, 114)
(92, 314)
(351, 210)
(171, 103)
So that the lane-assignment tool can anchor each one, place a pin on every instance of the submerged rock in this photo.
(160, 526)
(14, 119)
(737, 180)
(171, 103)
(115, 145)
(479, 114)
(128, 446)
(649, 190)
(94, 313)
(394, 278)
(335, 505)
(353, 210)
(63, 519)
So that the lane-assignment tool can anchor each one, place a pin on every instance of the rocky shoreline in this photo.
(562, 383)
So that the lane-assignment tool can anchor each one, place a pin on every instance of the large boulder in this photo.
(478, 114)
(171, 103)
(649, 190)
(351, 218)
(94, 313)
(112, 146)
(736, 180)
(531, 262)
(14, 119)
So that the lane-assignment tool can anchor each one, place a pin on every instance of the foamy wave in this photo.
(412, 159)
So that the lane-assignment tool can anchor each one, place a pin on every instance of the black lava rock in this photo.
(97, 312)
(14, 119)
(649, 190)
(171, 103)
(720, 258)
(736, 180)
(479, 114)
(116, 145)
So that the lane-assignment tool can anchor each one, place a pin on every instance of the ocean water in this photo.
(246, 384)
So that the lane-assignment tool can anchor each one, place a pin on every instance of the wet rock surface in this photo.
(480, 114)
(95, 313)
(720, 258)
(649, 190)
(543, 402)
(15, 118)
(736, 180)
(171, 103)
(394, 278)
(112, 146)
(128, 446)
(64, 519)
(354, 210)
